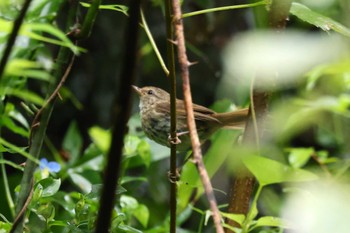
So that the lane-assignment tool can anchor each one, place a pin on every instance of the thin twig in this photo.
(224, 8)
(55, 93)
(196, 147)
(12, 39)
(153, 43)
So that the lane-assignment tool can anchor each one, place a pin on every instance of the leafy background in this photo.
(302, 176)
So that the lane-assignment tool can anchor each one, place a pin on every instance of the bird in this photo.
(155, 118)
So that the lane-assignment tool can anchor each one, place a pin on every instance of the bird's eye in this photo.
(150, 92)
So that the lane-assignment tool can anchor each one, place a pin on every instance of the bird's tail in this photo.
(233, 120)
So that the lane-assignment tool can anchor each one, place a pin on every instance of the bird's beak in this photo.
(136, 89)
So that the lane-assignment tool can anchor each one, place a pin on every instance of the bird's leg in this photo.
(173, 178)
(177, 140)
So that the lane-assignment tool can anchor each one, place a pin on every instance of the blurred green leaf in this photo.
(50, 186)
(271, 221)
(97, 188)
(268, 171)
(26, 68)
(16, 115)
(141, 213)
(127, 179)
(318, 20)
(15, 149)
(8, 123)
(5, 227)
(340, 68)
(239, 218)
(81, 182)
(298, 157)
(47, 211)
(8, 162)
(25, 95)
(72, 142)
(101, 137)
(115, 7)
(144, 150)
(28, 29)
(213, 160)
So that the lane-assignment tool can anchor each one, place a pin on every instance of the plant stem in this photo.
(196, 146)
(173, 130)
(7, 187)
(153, 43)
(173, 122)
(121, 113)
(89, 20)
(224, 8)
(36, 141)
(12, 39)
(253, 211)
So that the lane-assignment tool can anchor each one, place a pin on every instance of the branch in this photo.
(196, 147)
(173, 134)
(121, 113)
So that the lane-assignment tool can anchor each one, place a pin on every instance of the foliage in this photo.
(306, 144)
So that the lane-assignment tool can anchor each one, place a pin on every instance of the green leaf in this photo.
(318, 20)
(115, 7)
(97, 188)
(18, 150)
(8, 123)
(101, 137)
(79, 180)
(72, 142)
(25, 95)
(268, 171)
(141, 213)
(131, 145)
(298, 157)
(26, 68)
(144, 150)
(213, 160)
(5, 227)
(271, 221)
(12, 164)
(47, 211)
(50, 186)
(16, 115)
(127, 179)
(239, 218)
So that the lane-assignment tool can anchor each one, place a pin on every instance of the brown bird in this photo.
(155, 118)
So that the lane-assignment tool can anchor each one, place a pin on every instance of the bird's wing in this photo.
(201, 113)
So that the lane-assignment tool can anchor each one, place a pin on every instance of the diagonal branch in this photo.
(196, 147)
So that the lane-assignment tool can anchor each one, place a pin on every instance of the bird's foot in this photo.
(174, 140)
(173, 178)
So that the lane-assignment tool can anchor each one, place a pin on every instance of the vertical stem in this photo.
(173, 133)
(196, 147)
(37, 138)
(6, 186)
(12, 39)
(243, 185)
(121, 113)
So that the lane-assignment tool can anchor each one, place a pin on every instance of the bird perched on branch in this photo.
(155, 118)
